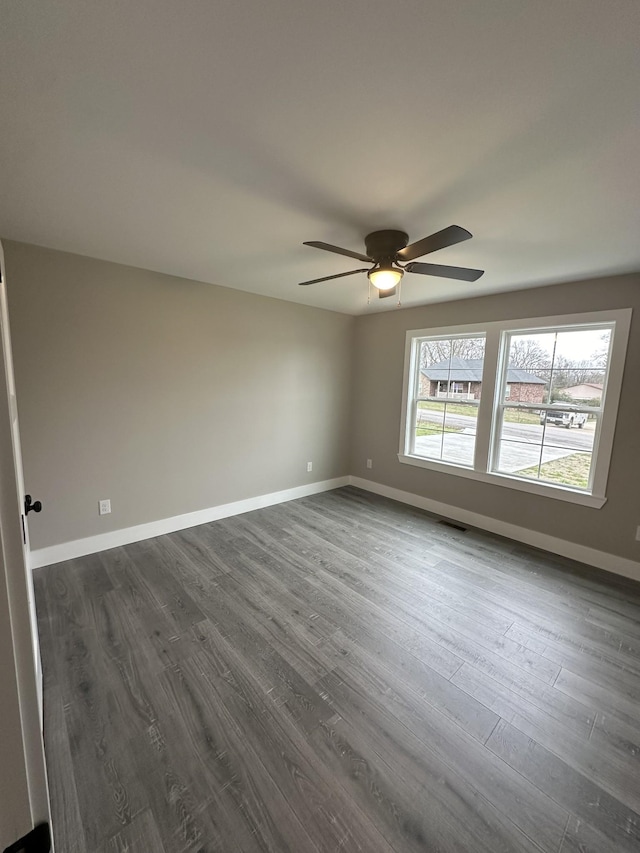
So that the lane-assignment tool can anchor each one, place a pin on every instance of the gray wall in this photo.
(170, 396)
(377, 400)
(166, 395)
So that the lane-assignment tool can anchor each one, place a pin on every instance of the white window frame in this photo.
(490, 404)
(448, 398)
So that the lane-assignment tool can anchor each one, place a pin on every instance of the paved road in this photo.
(576, 439)
(521, 449)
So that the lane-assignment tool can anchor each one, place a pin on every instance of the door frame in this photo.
(24, 777)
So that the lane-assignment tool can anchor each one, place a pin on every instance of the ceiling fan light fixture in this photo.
(385, 276)
(392, 255)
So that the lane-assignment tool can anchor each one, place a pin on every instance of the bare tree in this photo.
(568, 372)
(525, 353)
(528, 354)
(601, 356)
(437, 351)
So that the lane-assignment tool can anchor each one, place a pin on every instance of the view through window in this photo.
(550, 415)
(534, 404)
(448, 394)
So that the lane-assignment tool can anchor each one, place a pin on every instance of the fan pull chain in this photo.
(399, 303)
(369, 296)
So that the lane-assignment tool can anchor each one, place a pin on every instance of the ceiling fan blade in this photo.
(383, 293)
(328, 277)
(347, 252)
(460, 273)
(440, 240)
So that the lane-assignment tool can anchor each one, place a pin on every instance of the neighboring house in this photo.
(462, 378)
(586, 391)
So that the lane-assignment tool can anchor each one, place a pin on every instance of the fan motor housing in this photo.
(384, 245)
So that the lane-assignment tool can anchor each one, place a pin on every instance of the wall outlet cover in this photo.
(104, 507)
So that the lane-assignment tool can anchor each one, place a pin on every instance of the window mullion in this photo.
(487, 400)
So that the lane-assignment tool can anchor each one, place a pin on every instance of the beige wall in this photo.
(377, 396)
(166, 395)
(169, 396)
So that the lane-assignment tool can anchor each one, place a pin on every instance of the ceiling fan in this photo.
(392, 257)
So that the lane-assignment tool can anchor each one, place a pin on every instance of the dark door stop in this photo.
(36, 841)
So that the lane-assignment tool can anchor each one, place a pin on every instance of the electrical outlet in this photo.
(104, 507)
(309, 466)
(369, 463)
(638, 533)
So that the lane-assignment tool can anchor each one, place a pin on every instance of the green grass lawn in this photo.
(425, 428)
(570, 470)
(520, 416)
(452, 408)
(516, 416)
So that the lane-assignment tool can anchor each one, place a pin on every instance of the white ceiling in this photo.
(209, 138)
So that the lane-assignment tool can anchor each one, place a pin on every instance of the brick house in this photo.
(585, 391)
(462, 378)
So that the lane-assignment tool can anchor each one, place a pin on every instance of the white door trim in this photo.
(19, 648)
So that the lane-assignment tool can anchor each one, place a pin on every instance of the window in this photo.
(445, 404)
(527, 404)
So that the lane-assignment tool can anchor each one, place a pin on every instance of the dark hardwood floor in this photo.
(339, 673)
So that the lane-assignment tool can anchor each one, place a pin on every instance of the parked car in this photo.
(565, 416)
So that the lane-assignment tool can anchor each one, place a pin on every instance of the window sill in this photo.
(544, 489)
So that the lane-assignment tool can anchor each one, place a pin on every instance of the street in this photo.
(521, 445)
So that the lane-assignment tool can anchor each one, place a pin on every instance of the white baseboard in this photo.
(572, 550)
(104, 541)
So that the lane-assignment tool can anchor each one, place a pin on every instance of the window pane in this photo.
(451, 368)
(551, 446)
(579, 365)
(586, 388)
(529, 366)
(563, 365)
(446, 431)
(564, 371)
(459, 439)
(449, 380)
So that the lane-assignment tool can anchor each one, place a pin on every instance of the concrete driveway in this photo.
(522, 445)
(514, 456)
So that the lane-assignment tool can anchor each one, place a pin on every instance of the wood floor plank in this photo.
(617, 703)
(577, 631)
(572, 790)
(509, 697)
(546, 617)
(454, 628)
(612, 733)
(581, 837)
(110, 793)
(200, 802)
(358, 613)
(390, 661)
(610, 667)
(444, 762)
(58, 586)
(141, 834)
(68, 830)
(244, 731)
(617, 771)
(284, 621)
(147, 567)
(339, 673)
